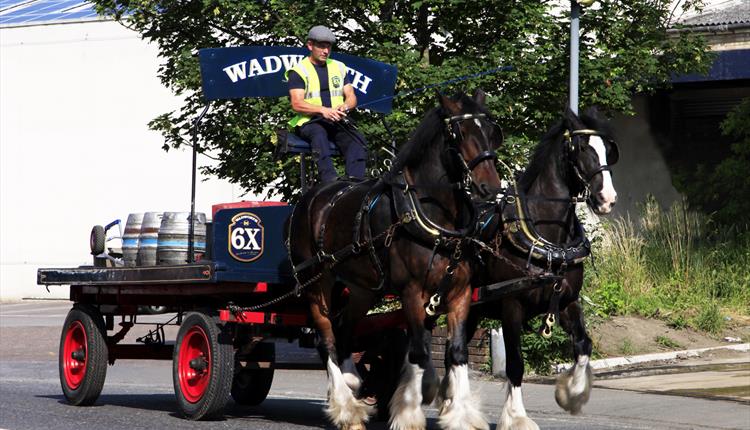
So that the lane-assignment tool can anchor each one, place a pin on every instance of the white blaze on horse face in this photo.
(608, 193)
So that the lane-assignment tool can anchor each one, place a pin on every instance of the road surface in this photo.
(139, 394)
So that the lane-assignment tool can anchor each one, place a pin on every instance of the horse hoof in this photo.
(358, 426)
(572, 390)
(518, 423)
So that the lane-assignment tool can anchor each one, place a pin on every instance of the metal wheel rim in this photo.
(73, 369)
(193, 383)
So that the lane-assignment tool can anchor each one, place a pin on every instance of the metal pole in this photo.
(303, 172)
(191, 229)
(575, 11)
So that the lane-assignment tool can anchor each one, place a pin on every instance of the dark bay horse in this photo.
(535, 226)
(352, 241)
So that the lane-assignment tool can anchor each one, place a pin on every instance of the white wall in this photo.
(75, 148)
(642, 170)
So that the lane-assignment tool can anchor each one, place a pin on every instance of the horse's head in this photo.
(473, 136)
(591, 151)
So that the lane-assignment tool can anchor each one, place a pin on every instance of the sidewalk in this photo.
(721, 373)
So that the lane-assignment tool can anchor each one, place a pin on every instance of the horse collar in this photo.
(524, 237)
(406, 203)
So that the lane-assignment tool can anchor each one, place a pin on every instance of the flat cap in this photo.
(321, 33)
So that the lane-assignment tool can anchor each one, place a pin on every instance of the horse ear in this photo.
(449, 105)
(571, 119)
(592, 112)
(479, 96)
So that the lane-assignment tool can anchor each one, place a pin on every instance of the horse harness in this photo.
(573, 148)
(410, 215)
(523, 236)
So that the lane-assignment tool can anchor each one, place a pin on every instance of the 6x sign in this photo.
(246, 237)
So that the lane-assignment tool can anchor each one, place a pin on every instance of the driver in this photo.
(320, 87)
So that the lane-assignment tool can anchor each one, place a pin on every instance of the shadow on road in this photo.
(148, 402)
(306, 412)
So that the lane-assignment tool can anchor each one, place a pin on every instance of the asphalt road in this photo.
(139, 394)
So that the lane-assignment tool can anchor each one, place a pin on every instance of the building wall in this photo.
(642, 170)
(75, 147)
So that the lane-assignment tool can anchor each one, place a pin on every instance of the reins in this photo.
(411, 212)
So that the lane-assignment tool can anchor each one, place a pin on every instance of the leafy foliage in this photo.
(539, 352)
(724, 188)
(624, 48)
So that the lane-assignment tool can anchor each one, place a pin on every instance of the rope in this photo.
(439, 84)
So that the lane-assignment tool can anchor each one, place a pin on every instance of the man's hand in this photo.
(332, 114)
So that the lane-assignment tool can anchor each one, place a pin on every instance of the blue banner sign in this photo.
(258, 71)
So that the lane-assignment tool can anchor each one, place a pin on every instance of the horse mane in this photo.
(592, 120)
(550, 148)
(425, 133)
(428, 129)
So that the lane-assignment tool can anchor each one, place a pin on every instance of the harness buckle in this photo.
(468, 180)
(549, 322)
(457, 252)
(431, 308)
(389, 236)
(557, 288)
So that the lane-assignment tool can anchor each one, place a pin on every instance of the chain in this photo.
(495, 253)
(297, 291)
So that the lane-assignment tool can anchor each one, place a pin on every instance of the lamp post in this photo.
(575, 12)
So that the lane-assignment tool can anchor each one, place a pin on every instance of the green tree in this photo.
(723, 189)
(624, 48)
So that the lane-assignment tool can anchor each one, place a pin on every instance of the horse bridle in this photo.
(573, 148)
(453, 129)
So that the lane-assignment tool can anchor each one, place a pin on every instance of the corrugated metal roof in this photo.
(720, 13)
(31, 12)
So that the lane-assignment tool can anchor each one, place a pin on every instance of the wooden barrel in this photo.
(173, 237)
(130, 239)
(148, 239)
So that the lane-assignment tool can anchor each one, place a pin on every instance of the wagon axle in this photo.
(78, 355)
(199, 364)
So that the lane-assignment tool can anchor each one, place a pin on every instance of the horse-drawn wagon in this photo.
(436, 229)
(233, 301)
(227, 308)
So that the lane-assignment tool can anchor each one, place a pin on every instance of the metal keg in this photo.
(148, 239)
(130, 239)
(173, 237)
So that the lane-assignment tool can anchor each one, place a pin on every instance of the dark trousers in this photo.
(349, 141)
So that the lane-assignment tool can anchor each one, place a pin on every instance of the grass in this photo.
(674, 264)
(627, 348)
(667, 342)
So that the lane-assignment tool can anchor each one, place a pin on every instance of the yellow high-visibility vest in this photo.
(336, 73)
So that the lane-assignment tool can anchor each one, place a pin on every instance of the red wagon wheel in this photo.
(250, 386)
(83, 355)
(203, 366)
